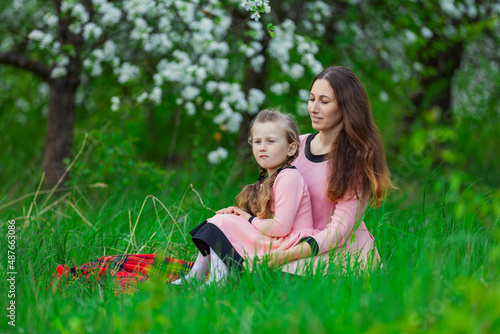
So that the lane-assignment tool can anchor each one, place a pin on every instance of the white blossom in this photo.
(384, 97)
(78, 11)
(217, 156)
(200, 75)
(234, 122)
(137, 8)
(296, 71)
(221, 66)
(426, 32)
(280, 88)
(255, 16)
(206, 25)
(109, 50)
(211, 87)
(75, 27)
(115, 103)
(155, 95)
(257, 62)
(141, 29)
(222, 26)
(96, 69)
(208, 105)
(410, 36)
(50, 20)
(255, 99)
(44, 40)
(227, 111)
(311, 62)
(110, 14)
(418, 67)
(158, 43)
(190, 108)
(223, 87)
(279, 47)
(127, 72)
(301, 109)
(304, 95)
(142, 97)
(257, 30)
(91, 30)
(190, 92)
(448, 6)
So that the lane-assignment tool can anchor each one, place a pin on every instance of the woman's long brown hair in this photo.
(257, 198)
(357, 155)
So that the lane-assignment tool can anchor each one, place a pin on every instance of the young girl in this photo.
(272, 214)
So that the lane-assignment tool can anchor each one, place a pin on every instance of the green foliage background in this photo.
(438, 232)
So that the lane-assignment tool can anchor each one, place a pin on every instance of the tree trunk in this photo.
(59, 138)
(60, 124)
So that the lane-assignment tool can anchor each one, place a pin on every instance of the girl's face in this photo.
(270, 146)
(323, 108)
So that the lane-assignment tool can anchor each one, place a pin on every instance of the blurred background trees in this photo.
(166, 89)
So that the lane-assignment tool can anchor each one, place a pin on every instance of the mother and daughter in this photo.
(306, 207)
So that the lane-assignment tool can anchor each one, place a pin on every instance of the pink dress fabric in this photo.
(292, 219)
(342, 235)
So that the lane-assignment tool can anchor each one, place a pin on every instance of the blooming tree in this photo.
(156, 49)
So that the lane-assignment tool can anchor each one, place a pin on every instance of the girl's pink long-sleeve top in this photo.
(292, 208)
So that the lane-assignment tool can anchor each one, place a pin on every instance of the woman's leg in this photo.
(218, 269)
(199, 270)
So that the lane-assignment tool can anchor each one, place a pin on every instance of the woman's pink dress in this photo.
(235, 239)
(343, 236)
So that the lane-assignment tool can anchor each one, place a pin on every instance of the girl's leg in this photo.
(198, 272)
(218, 269)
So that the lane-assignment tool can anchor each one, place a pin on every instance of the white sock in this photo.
(198, 272)
(218, 269)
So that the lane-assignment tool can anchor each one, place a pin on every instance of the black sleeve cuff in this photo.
(250, 219)
(313, 244)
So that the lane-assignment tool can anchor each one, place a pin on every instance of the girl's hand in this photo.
(242, 213)
(226, 211)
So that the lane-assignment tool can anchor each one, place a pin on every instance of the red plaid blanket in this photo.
(124, 271)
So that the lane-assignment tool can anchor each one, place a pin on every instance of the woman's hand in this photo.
(273, 260)
(278, 258)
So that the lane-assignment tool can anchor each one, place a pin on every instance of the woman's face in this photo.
(323, 108)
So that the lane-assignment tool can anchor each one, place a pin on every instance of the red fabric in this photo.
(124, 271)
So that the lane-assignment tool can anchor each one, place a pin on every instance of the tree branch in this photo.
(37, 68)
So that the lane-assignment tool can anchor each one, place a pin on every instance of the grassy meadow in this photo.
(440, 274)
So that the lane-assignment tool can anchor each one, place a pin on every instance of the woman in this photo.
(344, 167)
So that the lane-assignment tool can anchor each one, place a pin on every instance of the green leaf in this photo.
(69, 49)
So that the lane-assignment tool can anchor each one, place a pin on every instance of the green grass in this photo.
(440, 273)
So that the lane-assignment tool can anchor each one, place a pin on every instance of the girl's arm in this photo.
(288, 193)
